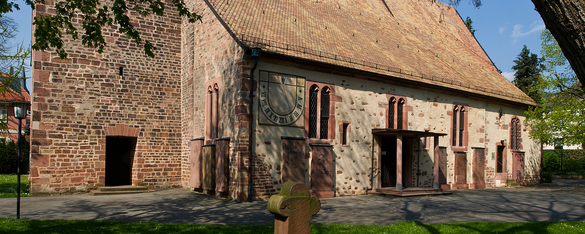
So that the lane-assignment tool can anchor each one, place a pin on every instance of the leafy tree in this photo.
(561, 116)
(528, 68)
(468, 23)
(93, 15)
(566, 21)
(12, 59)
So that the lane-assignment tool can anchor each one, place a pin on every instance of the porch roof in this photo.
(404, 133)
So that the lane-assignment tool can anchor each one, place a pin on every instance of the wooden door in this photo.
(518, 174)
(479, 167)
(293, 160)
(460, 168)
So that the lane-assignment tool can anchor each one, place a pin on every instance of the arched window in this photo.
(515, 133)
(461, 125)
(455, 112)
(210, 99)
(391, 112)
(212, 105)
(313, 96)
(459, 131)
(324, 113)
(215, 113)
(399, 112)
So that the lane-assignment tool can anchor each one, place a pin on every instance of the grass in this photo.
(95, 226)
(8, 186)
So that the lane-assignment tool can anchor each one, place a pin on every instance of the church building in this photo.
(348, 97)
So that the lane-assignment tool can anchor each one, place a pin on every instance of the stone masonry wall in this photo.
(76, 99)
(364, 107)
(210, 54)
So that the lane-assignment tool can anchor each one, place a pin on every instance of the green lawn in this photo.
(8, 186)
(93, 226)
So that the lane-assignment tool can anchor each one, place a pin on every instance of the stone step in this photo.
(98, 193)
(114, 190)
(123, 188)
(409, 192)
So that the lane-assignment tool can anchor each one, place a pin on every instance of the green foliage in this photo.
(94, 17)
(547, 177)
(573, 161)
(561, 114)
(9, 155)
(468, 23)
(8, 186)
(8, 225)
(528, 68)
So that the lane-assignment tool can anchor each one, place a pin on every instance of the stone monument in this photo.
(293, 208)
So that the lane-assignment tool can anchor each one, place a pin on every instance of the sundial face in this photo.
(281, 97)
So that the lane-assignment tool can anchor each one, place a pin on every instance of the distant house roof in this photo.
(13, 95)
(418, 40)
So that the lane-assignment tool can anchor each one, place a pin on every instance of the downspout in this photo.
(255, 57)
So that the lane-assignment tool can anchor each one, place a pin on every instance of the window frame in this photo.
(317, 136)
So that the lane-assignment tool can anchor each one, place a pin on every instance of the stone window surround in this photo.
(519, 132)
(395, 117)
(347, 133)
(504, 174)
(465, 144)
(331, 128)
(212, 121)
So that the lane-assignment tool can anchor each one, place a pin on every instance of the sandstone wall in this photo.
(76, 100)
(212, 57)
(363, 105)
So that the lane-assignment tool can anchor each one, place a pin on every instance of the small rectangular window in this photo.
(344, 137)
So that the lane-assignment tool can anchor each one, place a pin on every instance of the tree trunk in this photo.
(565, 19)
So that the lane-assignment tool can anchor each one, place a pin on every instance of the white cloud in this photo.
(502, 28)
(508, 75)
(535, 27)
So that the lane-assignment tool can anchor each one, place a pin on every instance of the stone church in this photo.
(348, 97)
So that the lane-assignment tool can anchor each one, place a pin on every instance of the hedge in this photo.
(573, 161)
(9, 155)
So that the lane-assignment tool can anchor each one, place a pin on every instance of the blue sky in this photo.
(503, 28)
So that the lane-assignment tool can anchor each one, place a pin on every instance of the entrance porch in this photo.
(396, 164)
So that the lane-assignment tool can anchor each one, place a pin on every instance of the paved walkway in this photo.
(564, 200)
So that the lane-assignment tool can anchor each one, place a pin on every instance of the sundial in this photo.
(281, 97)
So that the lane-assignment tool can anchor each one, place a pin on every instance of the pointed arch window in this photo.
(324, 113)
(319, 112)
(399, 112)
(391, 112)
(396, 113)
(459, 130)
(313, 96)
(212, 104)
(515, 134)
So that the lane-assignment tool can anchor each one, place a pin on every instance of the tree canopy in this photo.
(468, 23)
(560, 119)
(94, 16)
(528, 68)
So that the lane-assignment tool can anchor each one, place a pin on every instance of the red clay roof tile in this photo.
(419, 40)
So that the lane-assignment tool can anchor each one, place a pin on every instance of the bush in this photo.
(547, 177)
(9, 154)
(573, 161)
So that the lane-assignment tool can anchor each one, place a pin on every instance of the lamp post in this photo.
(20, 113)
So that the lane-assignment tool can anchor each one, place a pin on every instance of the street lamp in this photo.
(20, 113)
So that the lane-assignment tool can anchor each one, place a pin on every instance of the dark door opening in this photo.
(388, 170)
(119, 158)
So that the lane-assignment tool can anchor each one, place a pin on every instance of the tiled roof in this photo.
(11, 95)
(417, 40)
